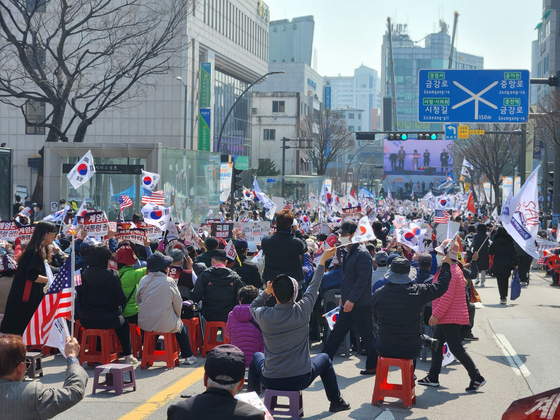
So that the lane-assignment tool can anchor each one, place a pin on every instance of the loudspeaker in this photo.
(429, 170)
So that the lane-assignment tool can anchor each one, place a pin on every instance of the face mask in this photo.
(345, 240)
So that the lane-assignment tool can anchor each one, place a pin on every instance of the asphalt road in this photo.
(516, 353)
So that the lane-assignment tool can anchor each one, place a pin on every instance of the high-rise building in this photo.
(410, 57)
(359, 91)
(291, 41)
(547, 54)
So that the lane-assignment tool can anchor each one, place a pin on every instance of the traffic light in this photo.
(397, 136)
(427, 136)
(237, 179)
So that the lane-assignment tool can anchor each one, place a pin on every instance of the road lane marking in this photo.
(165, 396)
(511, 355)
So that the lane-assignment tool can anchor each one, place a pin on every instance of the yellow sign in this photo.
(463, 132)
(476, 132)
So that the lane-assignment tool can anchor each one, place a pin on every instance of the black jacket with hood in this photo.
(505, 256)
(217, 287)
(101, 295)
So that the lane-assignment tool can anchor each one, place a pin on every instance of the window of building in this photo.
(545, 65)
(351, 128)
(359, 116)
(36, 59)
(36, 113)
(359, 128)
(350, 115)
(278, 106)
(269, 134)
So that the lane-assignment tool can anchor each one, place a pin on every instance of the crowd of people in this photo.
(271, 295)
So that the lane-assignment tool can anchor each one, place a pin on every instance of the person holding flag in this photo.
(28, 286)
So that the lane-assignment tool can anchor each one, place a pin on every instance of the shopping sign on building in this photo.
(473, 96)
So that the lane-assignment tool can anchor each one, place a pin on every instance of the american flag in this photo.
(124, 202)
(154, 197)
(441, 217)
(56, 303)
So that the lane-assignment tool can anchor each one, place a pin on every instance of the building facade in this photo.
(410, 57)
(359, 91)
(226, 49)
(276, 116)
(291, 41)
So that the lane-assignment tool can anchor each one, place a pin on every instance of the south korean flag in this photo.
(157, 215)
(149, 180)
(82, 171)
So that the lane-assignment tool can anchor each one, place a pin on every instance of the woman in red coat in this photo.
(449, 313)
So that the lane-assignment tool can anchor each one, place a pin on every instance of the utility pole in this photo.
(455, 20)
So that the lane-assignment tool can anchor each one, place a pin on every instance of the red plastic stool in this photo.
(150, 355)
(195, 336)
(88, 346)
(78, 330)
(211, 336)
(136, 340)
(384, 389)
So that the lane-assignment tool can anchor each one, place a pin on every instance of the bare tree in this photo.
(490, 154)
(82, 57)
(547, 126)
(331, 135)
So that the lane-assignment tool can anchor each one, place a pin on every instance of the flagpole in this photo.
(73, 283)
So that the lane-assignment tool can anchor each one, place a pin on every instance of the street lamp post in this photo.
(179, 78)
(237, 100)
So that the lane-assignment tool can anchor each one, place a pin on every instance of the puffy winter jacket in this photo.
(101, 295)
(217, 287)
(451, 308)
(505, 256)
(282, 251)
(248, 272)
(159, 304)
(243, 334)
(130, 277)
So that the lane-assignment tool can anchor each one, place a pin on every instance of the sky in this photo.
(350, 33)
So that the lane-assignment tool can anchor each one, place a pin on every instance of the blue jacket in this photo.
(424, 277)
(356, 281)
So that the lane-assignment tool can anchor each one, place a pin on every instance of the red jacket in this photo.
(451, 308)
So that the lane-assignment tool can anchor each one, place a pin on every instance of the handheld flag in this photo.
(82, 171)
(157, 215)
(59, 216)
(56, 303)
(364, 232)
(247, 194)
(231, 253)
(154, 197)
(124, 202)
(149, 180)
(332, 317)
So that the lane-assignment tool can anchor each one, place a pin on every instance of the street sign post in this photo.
(451, 131)
(473, 96)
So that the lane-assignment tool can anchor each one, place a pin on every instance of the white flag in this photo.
(332, 316)
(522, 221)
(157, 215)
(231, 253)
(82, 171)
(59, 216)
(364, 232)
(447, 356)
(149, 180)
(247, 194)
(57, 335)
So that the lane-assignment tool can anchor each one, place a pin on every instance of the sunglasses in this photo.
(27, 364)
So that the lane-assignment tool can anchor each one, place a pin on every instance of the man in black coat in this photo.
(282, 250)
(224, 375)
(217, 287)
(397, 308)
(211, 243)
(355, 302)
(248, 271)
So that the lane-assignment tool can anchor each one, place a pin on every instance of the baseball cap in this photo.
(381, 257)
(424, 259)
(158, 262)
(348, 226)
(225, 364)
(241, 245)
(252, 247)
